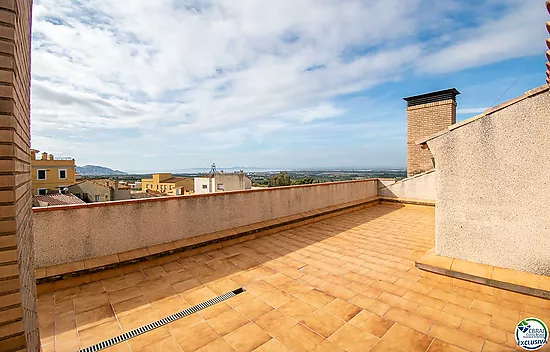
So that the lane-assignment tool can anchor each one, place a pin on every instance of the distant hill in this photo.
(95, 170)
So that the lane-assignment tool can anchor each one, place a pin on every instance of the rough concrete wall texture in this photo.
(18, 313)
(421, 186)
(68, 235)
(423, 121)
(493, 188)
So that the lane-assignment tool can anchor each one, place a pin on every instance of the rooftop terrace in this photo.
(346, 283)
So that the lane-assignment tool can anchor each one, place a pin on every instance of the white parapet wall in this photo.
(421, 187)
(493, 188)
(71, 233)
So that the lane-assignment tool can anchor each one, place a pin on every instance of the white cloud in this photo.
(517, 33)
(116, 80)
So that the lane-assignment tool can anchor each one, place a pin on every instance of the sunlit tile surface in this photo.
(347, 283)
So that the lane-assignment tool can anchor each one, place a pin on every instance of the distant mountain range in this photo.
(95, 170)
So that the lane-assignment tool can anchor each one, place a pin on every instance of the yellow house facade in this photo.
(50, 174)
(168, 184)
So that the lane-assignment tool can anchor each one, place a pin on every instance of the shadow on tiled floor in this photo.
(347, 283)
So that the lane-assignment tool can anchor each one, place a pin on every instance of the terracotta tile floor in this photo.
(347, 283)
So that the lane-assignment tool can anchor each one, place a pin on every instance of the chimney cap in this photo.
(432, 97)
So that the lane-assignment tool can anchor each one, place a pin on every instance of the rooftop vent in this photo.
(447, 94)
(157, 324)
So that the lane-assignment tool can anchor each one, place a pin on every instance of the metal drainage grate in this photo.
(156, 324)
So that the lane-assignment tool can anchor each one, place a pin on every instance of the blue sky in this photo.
(165, 85)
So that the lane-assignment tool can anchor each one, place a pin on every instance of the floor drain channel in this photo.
(156, 324)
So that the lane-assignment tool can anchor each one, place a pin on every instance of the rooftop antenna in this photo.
(213, 169)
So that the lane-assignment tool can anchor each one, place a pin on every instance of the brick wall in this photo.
(18, 314)
(423, 121)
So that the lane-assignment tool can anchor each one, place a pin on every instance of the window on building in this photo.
(42, 191)
(220, 186)
(41, 174)
(97, 198)
(204, 186)
(106, 197)
(62, 174)
(171, 187)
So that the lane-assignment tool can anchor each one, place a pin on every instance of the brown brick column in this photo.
(18, 315)
(427, 114)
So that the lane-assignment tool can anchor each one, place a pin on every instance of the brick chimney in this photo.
(33, 153)
(427, 114)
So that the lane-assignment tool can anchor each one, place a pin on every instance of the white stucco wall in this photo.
(199, 182)
(493, 187)
(421, 186)
(71, 233)
(229, 182)
(232, 182)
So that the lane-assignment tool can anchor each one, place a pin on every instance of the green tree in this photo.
(303, 181)
(281, 179)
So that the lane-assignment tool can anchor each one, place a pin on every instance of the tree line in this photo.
(283, 179)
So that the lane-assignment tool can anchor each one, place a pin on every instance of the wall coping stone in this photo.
(506, 279)
(182, 197)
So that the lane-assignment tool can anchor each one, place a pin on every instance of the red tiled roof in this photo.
(91, 181)
(59, 199)
(154, 193)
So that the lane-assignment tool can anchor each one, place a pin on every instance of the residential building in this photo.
(144, 195)
(135, 186)
(51, 174)
(222, 182)
(167, 184)
(92, 191)
(119, 190)
(56, 199)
